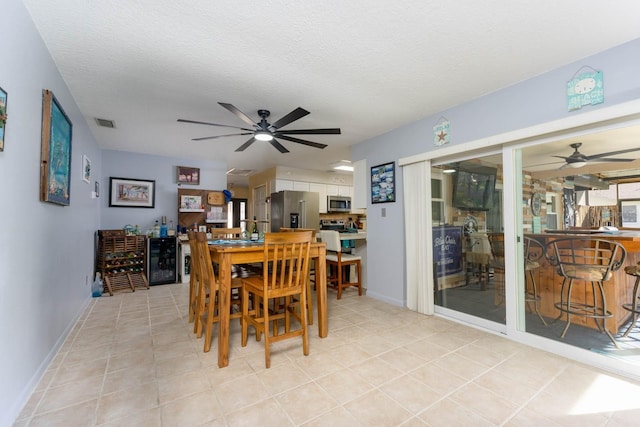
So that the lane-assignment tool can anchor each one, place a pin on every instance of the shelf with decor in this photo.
(121, 261)
(201, 207)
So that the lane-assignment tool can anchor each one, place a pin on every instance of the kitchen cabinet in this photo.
(321, 189)
(301, 186)
(121, 260)
(283, 184)
(339, 190)
(359, 197)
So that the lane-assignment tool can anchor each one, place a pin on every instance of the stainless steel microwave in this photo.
(338, 204)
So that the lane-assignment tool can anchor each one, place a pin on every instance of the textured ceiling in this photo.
(364, 66)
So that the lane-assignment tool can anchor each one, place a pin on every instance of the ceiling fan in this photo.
(577, 159)
(262, 130)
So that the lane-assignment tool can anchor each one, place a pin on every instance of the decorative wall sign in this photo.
(447, 250)
(383, 187)
(536, 203)
(131, 193)
(585, 89)
(86, 169)
(3, 116)
(441, 132)
(55, 160)
(188, 175)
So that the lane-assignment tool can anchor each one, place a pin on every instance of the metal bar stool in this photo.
(533, 251)
(586, 260)
(633, 270)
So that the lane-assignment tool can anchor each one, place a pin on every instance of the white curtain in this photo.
(419, 254)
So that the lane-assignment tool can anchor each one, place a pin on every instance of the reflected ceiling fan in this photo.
(577, 159)
(262, 130)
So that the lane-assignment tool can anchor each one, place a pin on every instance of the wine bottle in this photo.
(254, 230)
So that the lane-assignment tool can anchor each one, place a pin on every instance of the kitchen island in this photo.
(618, 289)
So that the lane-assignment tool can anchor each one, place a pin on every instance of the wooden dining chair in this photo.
(194, 275)
(226, 233)
(497, 265)
(207, 299)
(284, 273)
(312, 270)
(338, 260)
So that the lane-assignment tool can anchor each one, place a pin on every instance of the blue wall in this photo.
(534, 101)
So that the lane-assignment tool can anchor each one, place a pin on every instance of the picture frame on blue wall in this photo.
(55, 156)
(3, 117)
(131, 193)
(383, 188)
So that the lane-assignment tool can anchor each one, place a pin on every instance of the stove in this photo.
(333, 224)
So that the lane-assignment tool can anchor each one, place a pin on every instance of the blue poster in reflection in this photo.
(447, 250)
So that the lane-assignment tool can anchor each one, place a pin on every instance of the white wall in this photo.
(535, 101)
(46, 250)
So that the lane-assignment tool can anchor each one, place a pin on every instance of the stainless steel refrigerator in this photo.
(295, 209)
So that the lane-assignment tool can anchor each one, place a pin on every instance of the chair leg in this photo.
(534, 293)
(303, 325)
(568, 307)
(633, 307)
(245, 317)
(359, 268)
(267, 350)
(339, 268)
(309, 302)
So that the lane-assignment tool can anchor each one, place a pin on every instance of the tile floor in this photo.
(132, 360)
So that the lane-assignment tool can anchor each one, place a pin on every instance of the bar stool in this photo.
(338, 260)
(533, 251)
(496, 242)
(586, 260)
(633, 270)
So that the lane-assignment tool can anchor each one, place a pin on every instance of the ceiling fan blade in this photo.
(610, 159)
(238, 113)
(212, 124)
(246, 144)
(332, 131)
(611, 153)
(561, 157)
(221, 136)
(302, 141)
(279, 146)
(296, 114)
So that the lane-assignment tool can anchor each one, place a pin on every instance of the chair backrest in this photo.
(496, 241)
(193, 248)
(226, 233)
(533, 250)
(332, 240)
(204, 264)
(585, 258)
(312, 230)
(286, 262)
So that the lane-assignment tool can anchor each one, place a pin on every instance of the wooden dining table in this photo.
(245, 252)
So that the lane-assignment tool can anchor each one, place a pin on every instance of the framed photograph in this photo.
(190, 203)
(383, 187)
(3, 116)
(55, 157)
(187, 175)
(86, 169)
(131, 193)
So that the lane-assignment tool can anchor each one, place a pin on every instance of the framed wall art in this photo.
(188, 175)
(131, 193)
(55, 158)
(86, 169)
(383, 187)
(3, 116)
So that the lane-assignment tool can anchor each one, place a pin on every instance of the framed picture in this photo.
(86, 169)
(3, 116)
(383, 187)
(131, 193)
(188, 175)
(55, 157)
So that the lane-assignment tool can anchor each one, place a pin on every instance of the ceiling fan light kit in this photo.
(268, 132)
(578, 160)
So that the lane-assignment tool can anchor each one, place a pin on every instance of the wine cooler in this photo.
(161, 267)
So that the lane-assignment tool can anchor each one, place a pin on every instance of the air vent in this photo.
(105, 123)
(240, 172)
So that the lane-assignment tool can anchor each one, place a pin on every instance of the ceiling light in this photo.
(576, 165)
(262, 135)
(343, 165)
(449, 169)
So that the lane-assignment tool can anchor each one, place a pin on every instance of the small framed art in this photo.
(383, 188)
(131, 193)
(187, 175)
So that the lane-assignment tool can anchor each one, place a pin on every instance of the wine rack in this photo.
(121, 261)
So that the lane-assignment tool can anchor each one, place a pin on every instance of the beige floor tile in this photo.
(306, 402)
(177, 365)
(69, 394)
(124, 402)
(488, 404)
(344, 385)
(131, 377)
(74, 372)
(80, 415)
(514, 391)
(376, 371)
(147, 418)
(283, 377)
(182, 385)
(411, 394)
(318, 364)
(377, 409)
(241, 392)
(126, 360)
(447, 413)
(462, 366)
(192, 410)
(441, 379)
(266, 413)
